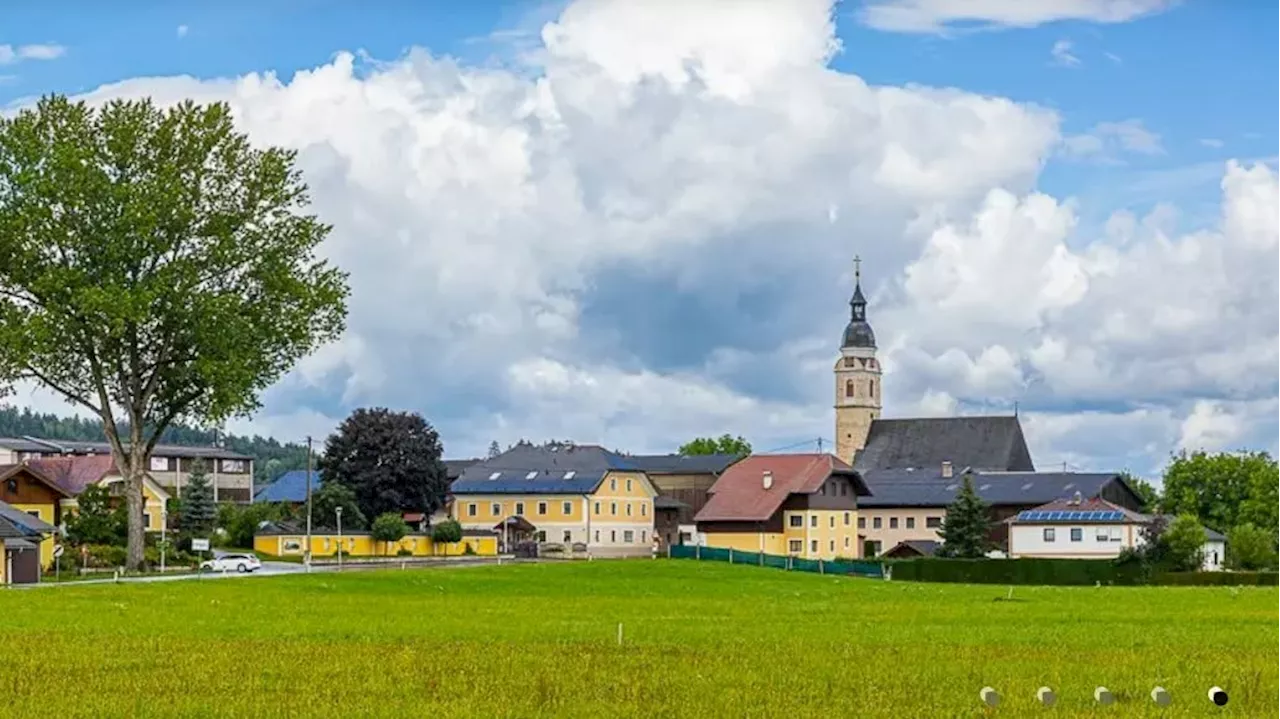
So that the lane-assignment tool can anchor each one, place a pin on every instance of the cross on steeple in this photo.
(857, 268)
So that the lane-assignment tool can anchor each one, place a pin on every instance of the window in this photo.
(628, 485)
(597, 507)
(893, 522)
(613, 535)
(566, 508)
(520, 508)
(628, 507)
(933, 522)
(844, 489)
(496, 509)
(542, 507)
(567, 536)
(862, 522)
(813, 546)
(146, 519)
(911, 522)
(471, 510)
(1103, 535)
(796, 520)
(11, 485)
(233, 465)
(597, 535)
(848, 517)
(613, 483)
(871, 388)
(292, 545)
(1048, 534)
(644, 510)
(875, 522)
(832, 544)
(848, 388)
(159, 464)
(795, 546)
(813, 520)
(846, 542)
(541, 536)
(1116, 535)
(1077, 534)
(642, 536)
(613, 508)
(831, 521)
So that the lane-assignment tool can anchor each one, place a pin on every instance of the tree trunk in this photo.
(137, 532)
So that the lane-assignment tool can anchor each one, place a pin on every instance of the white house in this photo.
(1092, 528)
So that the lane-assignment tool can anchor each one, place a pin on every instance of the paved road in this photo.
(269, 569)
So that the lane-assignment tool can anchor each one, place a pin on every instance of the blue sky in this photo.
(1103, 114)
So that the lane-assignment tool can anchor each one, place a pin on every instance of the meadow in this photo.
(699, 640)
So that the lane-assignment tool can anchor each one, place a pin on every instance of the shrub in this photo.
(1185, 542)
(104, 556)
(1250, 547)
(468, 549)
(1206, 579)
(1018, 571)
(404, 553)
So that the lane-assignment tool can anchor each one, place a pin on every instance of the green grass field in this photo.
(700, 640)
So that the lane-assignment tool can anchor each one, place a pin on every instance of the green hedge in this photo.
(1217, 579)
(1017, 571)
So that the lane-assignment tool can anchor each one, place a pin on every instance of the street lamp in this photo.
(338, 510)
(164, 526)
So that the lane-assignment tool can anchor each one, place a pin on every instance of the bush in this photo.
(404, 553)
(104, 556)
(1249, 547)
(1018, 571)
(467, 549)
(1217, 579)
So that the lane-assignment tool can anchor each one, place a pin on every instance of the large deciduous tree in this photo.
(391, 460)
(154, 267)
(1225, 489)
(724, 444)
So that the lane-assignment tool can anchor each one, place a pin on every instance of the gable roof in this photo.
(289, 487)
(684, 464)
(1068, 507)
(739, 494)
(455, 467)
(548, 469)
(8, 470)
(980, 443)
(928, 488)
(73, 474)
(1210, 535)
(20, 523)
(917, 547)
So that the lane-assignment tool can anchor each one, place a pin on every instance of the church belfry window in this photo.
(848, 388)
(871, 388)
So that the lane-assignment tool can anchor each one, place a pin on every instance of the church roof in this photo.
(978, 443)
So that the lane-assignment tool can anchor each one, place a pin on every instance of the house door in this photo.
(23, 566)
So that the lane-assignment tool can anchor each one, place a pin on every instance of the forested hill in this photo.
(271, 458)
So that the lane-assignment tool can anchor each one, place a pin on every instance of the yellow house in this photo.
(800, 505)
(21, 535)
(74, 474)
(34, 492)
(281, 539)
(560, 494)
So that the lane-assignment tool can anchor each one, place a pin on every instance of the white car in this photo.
(229, 562)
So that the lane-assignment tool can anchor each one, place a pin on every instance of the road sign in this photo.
(199, 545)
(58, 549)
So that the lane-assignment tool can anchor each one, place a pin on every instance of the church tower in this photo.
(857, 377)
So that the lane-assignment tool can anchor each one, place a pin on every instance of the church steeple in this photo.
(857, 375)
(858, 333)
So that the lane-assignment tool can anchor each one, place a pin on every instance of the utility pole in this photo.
(308, 552)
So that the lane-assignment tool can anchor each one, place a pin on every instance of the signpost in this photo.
(199, 545)
(58, 549)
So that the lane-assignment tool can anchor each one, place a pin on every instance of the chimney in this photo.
(946, 469)
(768, 479)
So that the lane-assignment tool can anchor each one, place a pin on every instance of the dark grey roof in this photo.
(920, 488)
(59, 446)
(542, 469)
(926, 547)
(533, 481)
(1210, 535)
(28, 525)
(980, 443)
(8, 530)
(455, 467)
(664, 502)
(682, 464)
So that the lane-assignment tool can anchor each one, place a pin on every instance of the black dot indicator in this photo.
(1218, 696)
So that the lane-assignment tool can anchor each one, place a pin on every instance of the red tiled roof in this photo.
(739, 494)
(7, 470)
(1092, 504)
(73, 474)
